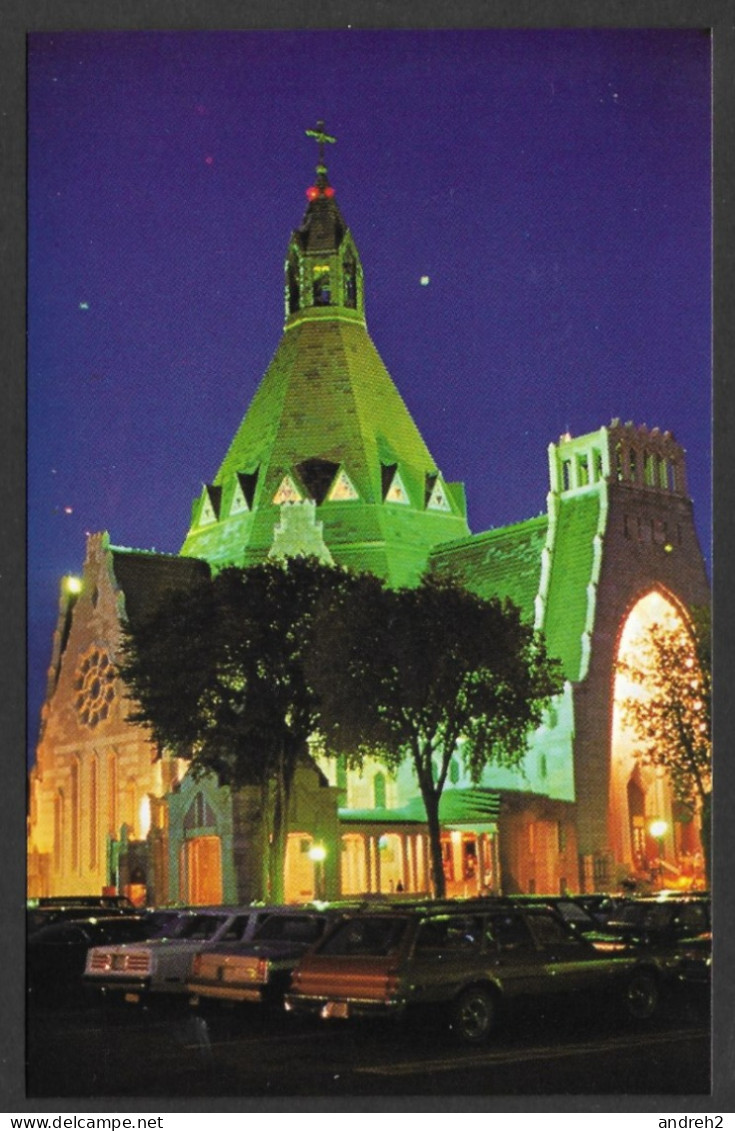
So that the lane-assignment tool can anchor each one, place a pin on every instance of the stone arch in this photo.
(640, 795)
(201, 852)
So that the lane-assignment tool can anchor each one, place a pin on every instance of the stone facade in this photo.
(95, 775)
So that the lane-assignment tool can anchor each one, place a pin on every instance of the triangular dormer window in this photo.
(317, 476)
(288, 492)
(243, 494)
(396, 492)
(342, 489)
(437, 500)
(239, 502)
(209, 511)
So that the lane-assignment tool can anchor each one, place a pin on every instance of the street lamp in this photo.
(658, 829)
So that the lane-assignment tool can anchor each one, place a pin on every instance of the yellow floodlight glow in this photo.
(144, 816)
(317, 852)
(658, 828)
(72, 584)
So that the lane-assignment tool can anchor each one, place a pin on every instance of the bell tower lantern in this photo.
(323, 269)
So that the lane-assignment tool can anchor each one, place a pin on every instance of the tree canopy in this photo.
(218, 676)
(427, 673)
(239, 674)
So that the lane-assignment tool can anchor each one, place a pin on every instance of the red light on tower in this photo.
(315, 191)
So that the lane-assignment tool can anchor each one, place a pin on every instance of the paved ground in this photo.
(174, 1052)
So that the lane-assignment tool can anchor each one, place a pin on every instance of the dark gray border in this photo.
(16, 21)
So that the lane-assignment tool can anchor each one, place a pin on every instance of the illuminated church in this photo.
(329, 462)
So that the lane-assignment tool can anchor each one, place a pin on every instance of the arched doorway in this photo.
(644, 821)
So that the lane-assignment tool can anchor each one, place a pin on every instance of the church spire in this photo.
(327, 434)
(323, 270)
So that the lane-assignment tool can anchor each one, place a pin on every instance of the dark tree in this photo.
(218, 676)
(424, 673)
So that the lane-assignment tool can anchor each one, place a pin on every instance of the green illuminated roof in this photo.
(508, 563)
(456, 806)
(572, 572)
(500, 563)
(327, 426)
(327, 395)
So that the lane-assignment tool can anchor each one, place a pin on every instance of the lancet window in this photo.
(350, 282)
(322, 285)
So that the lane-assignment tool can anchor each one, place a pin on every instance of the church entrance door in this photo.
(202, 871)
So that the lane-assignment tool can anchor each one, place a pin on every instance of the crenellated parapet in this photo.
(641, 457)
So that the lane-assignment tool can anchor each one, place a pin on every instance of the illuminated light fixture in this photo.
(144, 816)
(658, 828)
(668, 548)
(72, 584)
(317, 852)
(312, 192)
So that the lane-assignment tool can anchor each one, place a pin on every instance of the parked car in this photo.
(162, 964)
(676, 929)
(39, 917)
(569, 907)
(578, 917)
(56, 954)
(470, 961)
(258, 969)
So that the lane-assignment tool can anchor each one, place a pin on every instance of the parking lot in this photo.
(488, 997)
(170, 1050)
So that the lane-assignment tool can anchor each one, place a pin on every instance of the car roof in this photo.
(105, 923)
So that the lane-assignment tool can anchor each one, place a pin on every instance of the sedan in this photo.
(56, 954)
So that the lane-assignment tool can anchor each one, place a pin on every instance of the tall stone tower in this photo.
(327, 430)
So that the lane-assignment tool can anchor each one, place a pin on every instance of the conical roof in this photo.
(328, 427)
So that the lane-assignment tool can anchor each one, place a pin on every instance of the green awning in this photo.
(475, 808)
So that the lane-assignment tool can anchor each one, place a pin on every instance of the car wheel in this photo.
(474, 1015)
(642, 996)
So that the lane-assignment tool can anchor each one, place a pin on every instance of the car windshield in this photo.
(291, 928)
(191, 927)
(373, 935)
(572, 912)
(645, 915)
(117, 930)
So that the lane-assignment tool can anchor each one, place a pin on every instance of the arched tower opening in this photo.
(654, 838)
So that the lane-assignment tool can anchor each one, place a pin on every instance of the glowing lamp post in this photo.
(72, 585)
(658, 829)
(318, 854)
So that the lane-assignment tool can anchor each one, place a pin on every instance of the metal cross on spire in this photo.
(319, 135)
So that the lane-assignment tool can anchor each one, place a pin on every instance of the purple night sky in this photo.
(553, 185)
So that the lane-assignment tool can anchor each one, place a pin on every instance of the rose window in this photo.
(94, 687)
